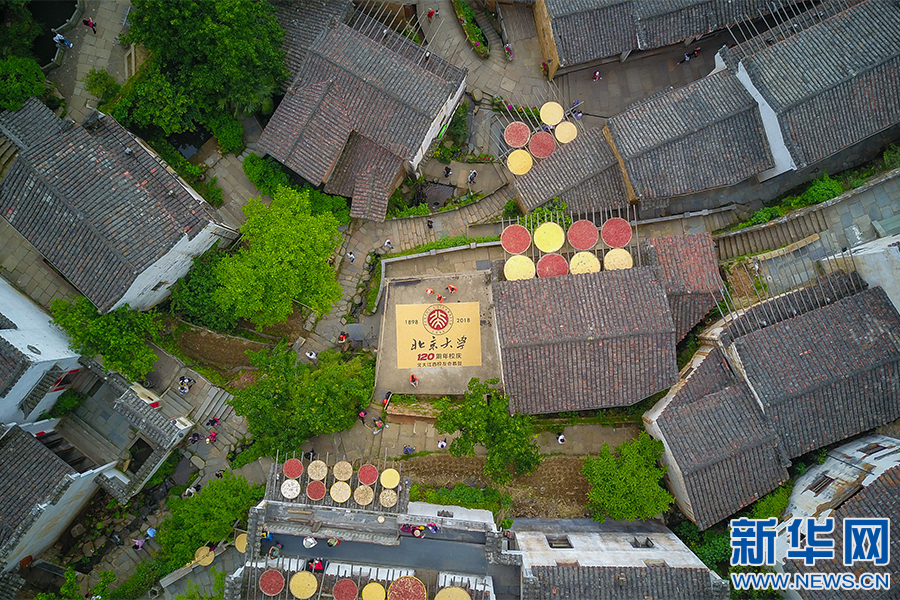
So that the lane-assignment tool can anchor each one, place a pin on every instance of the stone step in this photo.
(174, 405)
(88, 440)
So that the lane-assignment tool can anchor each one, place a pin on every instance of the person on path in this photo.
(362, 416)
(429, 292)
(195, 437)
(351, 256)
(430, 223)
(90, 23)
(447, 172)
(332, 542)
(151, 533)
(413, 380)
(596, 76)
(578, 115)
(442, 444)
(59, 39)
(561, 439)
(312, 354)
(451, 288)
(388, 244)
(138, 544)
(472, 176)
(220, 473)
(183, 389)
(440, 299)
(212, 422)
(309, 542)
(343, 337)
(211, 438)
(311, 455)
(408, 449)
(387, 398)
(688, 57)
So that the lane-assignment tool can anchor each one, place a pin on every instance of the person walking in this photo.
(596, 76)
(362, 416)
(408, 449)
(59, 39)
(429, 292)
(220, 473)
(312, 354)
(211, 438)
(413, 380)
(688, 57)
(332, 542)
(195, 437)
(440, 299)
(212, 422)
(472, 175)
(388, 244)
(138, 544)
(430, 223)
(442, 444)
(447, 172)
(88, 22)
(451, 288)
(561, 439)
(351, 256)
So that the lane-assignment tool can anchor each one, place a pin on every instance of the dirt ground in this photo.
(557, 489)
(219, 352)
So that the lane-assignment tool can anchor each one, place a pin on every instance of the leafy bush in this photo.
(549, 212)
(625, 483)
(190, 172)
(20, 78)
(462, 495)
(772, 504)
(511, 210)
(193, 296)
(891, 157)
(19, 30)
(714, 548)
(447, 242)
(71, 589)
(68, 401)
(213, 193)
(145, 576)
(265, 173)
(228, 131)
(164, 470)
(101, 84)
(456, 130)
(120, 336)
(207, 516)
(822, 189)
(418, 210)
(473, 32)
(321, 203)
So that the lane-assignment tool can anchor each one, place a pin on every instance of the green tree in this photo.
(20, 78)
(218, 53)
(625, 483)
(206, 517)
(292, 401)
(194, 296)
(483, 418)
(18, 29)
(71, 590)
(151, 98)
(194, 592)
(121, 336)
(285, 260)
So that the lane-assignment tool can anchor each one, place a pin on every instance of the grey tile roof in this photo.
(828, 374)
(835, 83)
(622, 583)
(303, 21)
(880, 499)
(587, 30)
(379, 88)
(13, 365)
(29, 124)
(6, 322)
(690, 273)
(705, 135)
(99, 215)
(583, 173)
(30, 474)
(724, 449)
(365, 172)
(578, 342)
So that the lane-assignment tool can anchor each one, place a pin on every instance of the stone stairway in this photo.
(498, 56)
(89, 441)
(174, 405)
(772, 235)
(214, 405)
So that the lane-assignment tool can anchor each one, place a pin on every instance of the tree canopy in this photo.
(20, 78)
(18, 29)
(205, 517)
(483, 418)
(216, 53)
(71, 589)
(285, 259)
(121, 336)
(625, 483)
(194, 296)
(292, 401)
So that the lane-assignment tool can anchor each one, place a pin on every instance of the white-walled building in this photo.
(36, 364)
(102, 208)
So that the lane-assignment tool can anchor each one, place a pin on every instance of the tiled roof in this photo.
(6, 323)
(622, 583)
(880, 499)
(678, 130)
(98, 214)
(303, 21)
(578, 342)
(690, 274)
(366, 172)
(725, 451)
(382, 89)
(586, 30)
(583, 173)
(12, 365)
(835, 83)
(30, 474)
(29, 124)
(827, 374)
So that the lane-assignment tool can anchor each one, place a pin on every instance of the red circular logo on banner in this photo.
(437, 319)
